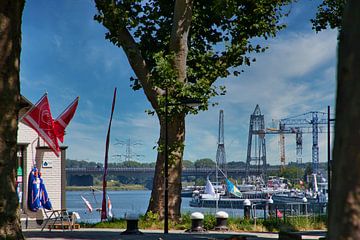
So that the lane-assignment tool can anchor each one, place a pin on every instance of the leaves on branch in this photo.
(219, 42)
(329, 14)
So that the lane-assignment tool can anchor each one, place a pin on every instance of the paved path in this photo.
(112, 234)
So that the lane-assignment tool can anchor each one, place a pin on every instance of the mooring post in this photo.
(247, 208)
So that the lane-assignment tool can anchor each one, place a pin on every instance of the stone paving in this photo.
(112, 234)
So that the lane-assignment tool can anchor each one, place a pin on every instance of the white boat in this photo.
(233, 199)
(317, 195)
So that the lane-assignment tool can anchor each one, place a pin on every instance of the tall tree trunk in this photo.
(10, 47)
(345, 196)
(176, 126)
(176, 137)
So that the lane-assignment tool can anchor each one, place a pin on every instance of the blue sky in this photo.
(65, 54)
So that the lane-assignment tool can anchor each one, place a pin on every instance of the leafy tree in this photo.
(81, 164)
(204, 163)
(10, 47)
(200, 181)
(179, 49)
(308, 170)
(187, 164)
(329, 14)
(232, 165)
(149, 165)
(131, 164)
(291, 172)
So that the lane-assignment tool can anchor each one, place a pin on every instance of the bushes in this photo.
(298, 223)
(151, 221)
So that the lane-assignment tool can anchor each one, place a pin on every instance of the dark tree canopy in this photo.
(329, 14)
(204, 163)
(187, 164)
(218, 42)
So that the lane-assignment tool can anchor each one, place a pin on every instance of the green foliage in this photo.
(81, 164)
(204, 163)
(131, 164)
(291, 172)
(151, 221)
(218, 42)
(240, 224)
(308, 169)
(87, 164)
(296, 223)
(187, 164)
(113, 223)
(209, 221)
(217, 45)
(272, 224)
(200, 181)
(232, 165)
(184, 222)
(329, 14)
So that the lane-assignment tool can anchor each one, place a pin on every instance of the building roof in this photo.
(25, 105)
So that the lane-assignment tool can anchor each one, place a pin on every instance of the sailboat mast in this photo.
(103, 205)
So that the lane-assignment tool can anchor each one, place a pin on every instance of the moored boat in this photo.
(234, 198)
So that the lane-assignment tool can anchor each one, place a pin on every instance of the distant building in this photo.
(32, 150)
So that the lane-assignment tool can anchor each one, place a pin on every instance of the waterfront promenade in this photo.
(112, 234)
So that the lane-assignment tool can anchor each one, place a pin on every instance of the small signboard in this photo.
(47, 164)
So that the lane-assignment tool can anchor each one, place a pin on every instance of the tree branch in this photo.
(179, 35)
(139, 65)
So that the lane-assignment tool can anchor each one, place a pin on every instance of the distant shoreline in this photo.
(131, 187)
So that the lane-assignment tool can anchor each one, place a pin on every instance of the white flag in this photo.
(209, 188)
(88, 205)
(109, 208)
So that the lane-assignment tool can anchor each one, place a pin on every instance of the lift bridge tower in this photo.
(256, 151)
(220, 153)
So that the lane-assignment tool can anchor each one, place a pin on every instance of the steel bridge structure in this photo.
(186, 171)
(310, 122)
(256, 150)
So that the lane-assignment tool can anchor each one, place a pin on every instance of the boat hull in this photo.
(226, 203)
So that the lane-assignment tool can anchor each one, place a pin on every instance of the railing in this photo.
(284, 211)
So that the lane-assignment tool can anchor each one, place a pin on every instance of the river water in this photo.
(125, 202)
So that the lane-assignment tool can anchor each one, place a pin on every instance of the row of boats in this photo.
(229, 195)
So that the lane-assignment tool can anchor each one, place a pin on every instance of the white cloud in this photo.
(91, 136)
(296, 75)
(57, 41)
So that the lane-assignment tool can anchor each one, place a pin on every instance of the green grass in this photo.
(114, 223)
(150, 221)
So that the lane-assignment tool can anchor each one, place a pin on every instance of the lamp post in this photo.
(166, 169)
(187, 102)
(328, 150)
(328, 154)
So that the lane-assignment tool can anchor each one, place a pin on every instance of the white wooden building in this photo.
(31, 151)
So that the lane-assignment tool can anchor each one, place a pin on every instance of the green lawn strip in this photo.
(150, 221)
